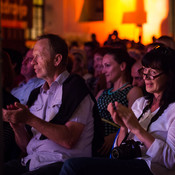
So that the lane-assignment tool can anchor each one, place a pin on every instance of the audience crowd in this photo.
(71, 106)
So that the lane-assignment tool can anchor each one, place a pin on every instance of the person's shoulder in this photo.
(134, 93)
(75, 84)
(135, 90)
(16, 91)
(35, 80)
(99, 94)
(73, 78)
(169, 113)
(140, 102)
(139, 105)
(171, 107)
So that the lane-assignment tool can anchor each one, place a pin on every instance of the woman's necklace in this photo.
(110, 90)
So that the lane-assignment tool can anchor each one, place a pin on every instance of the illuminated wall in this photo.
(114, 10)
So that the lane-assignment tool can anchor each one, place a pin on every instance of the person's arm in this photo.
(134, 94)
(146, 138)
(108, 142)
(122, 134)
(65, 135)
(130, 121)
(161, 143)
(123, 129)
(163, 151)
(22, 137)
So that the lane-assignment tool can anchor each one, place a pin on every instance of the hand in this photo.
(115, 116)
(108, 142)
(127, 116)
(16, 113)
(11, 107)
(5, 116)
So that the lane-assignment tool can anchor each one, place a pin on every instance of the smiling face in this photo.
(43, 61)
(157, 85)
(111, 68)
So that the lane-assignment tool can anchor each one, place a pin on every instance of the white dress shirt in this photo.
(43, 152)
(160, 157)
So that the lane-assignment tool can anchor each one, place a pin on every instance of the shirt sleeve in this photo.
(163, 152)
(84, 111)
(138, 106)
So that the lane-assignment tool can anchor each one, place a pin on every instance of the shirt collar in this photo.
(58, 81)
(62, 77)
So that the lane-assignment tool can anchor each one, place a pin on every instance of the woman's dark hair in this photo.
(102, 50)
(58, 45)
(120, 56)
(162, 58)
(151, 46)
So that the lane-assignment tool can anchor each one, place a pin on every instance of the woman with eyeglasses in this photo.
(146, 142)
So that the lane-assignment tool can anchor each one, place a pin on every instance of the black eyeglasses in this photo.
(148, 75)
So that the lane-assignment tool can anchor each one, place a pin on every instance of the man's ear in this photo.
(57, 59)
(123, 66)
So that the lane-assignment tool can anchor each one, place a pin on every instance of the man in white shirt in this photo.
(60, 114)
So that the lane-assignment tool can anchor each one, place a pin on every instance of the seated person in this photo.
(89, 48)
(137, 79)
(16, 60)
(98, 81)
(117, 69)
(79, 63)
(10, 148)
(151, 122)
(30, 82)
(60, 114)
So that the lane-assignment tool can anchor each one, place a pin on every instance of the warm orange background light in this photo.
(156, 12)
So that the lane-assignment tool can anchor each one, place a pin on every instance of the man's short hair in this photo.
(58, 45)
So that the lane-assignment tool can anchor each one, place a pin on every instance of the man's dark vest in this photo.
(74, 91)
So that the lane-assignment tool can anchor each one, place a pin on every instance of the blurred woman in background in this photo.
(117, 69)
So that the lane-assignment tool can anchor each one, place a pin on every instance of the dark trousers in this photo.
(14, 167)
(104, 166)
